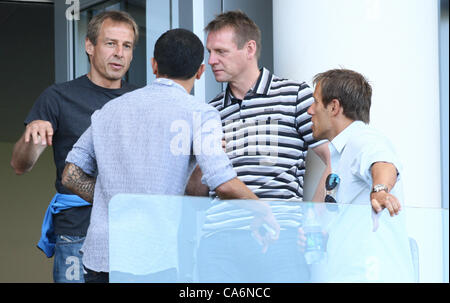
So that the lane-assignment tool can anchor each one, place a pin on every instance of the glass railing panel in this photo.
(157, 239)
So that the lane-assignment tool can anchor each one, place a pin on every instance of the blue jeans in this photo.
(68, 265)
(234, 256)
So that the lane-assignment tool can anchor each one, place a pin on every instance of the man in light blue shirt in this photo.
(363, 158)
(149, 142)
(370, 173)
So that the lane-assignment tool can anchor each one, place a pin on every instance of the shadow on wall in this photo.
(23, 202)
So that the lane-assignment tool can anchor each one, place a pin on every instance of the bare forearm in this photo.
(25, 155)
(78, 182)
(235, 189)
(37, 136)
(384, 173)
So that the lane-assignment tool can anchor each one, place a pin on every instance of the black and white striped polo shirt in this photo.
(267, 136)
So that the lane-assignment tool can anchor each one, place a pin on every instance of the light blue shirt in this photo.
(352, 154)
(384, 255)
(147, 142)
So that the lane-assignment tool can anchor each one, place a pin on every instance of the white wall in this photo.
(395, 45)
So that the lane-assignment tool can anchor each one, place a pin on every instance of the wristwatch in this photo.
(380, 187)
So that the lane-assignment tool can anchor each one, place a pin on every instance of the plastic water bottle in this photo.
(315, 242)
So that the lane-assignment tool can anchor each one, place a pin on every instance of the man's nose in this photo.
(212, 59)
(119, 51)
(310, 110)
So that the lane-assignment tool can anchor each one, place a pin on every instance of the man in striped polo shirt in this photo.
(267, 134)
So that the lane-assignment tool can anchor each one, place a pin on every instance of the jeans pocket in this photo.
(65, 239)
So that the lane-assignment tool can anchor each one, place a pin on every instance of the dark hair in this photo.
(351, 89)
(179, 53)
(245, 29)
(96, 22)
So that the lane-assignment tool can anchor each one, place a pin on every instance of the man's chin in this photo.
(317, 136)
(115, 76)
(220, 78)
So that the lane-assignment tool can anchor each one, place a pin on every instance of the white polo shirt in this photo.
(355, 252)
(352, 154)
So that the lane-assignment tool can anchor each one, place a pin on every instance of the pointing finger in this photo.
(376, 206)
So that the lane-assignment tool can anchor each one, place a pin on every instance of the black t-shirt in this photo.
(68, 107)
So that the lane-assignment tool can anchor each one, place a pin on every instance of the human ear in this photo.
(335, 105)
(200, 72)
(89, 47)
(251, 49)
(154, 66)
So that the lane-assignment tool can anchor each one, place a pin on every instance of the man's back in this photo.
(142, 142)
(136, 139)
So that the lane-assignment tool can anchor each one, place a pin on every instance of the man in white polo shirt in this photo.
(363, 158)
(369, 173)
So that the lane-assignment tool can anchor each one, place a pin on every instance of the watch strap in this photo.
(380, 187)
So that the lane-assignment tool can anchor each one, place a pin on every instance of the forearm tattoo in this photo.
(75, 179)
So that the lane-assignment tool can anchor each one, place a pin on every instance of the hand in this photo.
(382, 200)
(39, 130)
(269, 227)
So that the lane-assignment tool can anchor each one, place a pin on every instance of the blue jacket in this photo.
(59, 202)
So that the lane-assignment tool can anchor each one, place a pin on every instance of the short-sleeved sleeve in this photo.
(207, 148)
(45, 108)
(83, 154)
(379, 149)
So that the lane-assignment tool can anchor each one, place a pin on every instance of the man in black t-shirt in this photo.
(59, 117)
